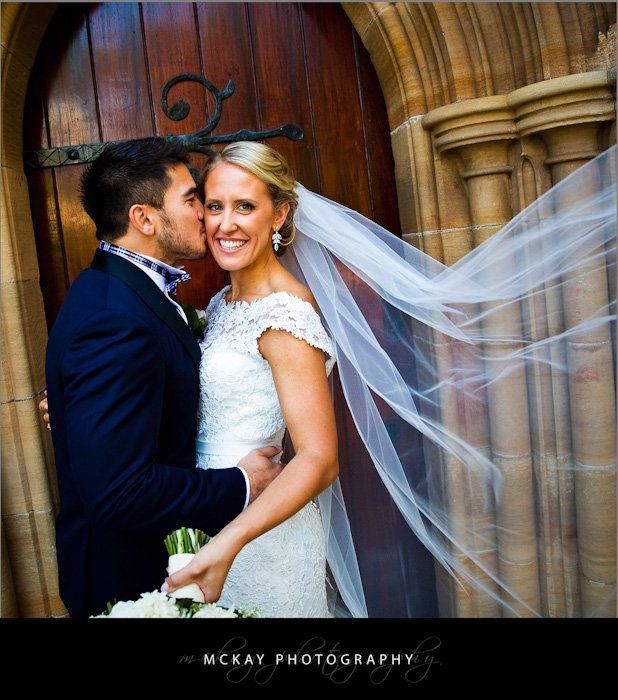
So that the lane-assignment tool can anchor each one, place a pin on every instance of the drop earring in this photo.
(276, 240)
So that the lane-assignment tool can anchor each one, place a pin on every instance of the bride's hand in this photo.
(208, 569)
(44, 410)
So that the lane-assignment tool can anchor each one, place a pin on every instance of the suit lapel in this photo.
(150, 294)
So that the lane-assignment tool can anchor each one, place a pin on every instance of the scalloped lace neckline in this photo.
(240, 303)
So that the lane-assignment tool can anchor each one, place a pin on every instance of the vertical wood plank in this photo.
(222, 25)
(339, 138)
(171, 53)
(374, 535)
(120, 71)
(72, 115)
(281, 82)
(68, 80)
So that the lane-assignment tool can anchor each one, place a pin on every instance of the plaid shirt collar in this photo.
(171, 275)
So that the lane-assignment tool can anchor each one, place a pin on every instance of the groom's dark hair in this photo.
(128, 173)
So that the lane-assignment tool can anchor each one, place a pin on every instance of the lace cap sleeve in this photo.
(283, 311)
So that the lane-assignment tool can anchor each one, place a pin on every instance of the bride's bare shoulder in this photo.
(292, 286)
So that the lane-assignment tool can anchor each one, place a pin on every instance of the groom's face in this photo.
(180, 230)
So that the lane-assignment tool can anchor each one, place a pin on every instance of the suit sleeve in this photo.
(113, 375)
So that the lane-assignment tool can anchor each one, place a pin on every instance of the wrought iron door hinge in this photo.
(199, 142)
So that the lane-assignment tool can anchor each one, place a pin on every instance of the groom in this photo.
(122, 379)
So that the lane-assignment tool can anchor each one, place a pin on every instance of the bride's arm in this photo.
(302, 387)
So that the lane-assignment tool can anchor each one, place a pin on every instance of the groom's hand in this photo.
(260, 470)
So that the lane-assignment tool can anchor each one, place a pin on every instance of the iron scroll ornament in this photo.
(199, 142)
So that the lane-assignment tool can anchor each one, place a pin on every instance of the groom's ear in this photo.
(141, 217)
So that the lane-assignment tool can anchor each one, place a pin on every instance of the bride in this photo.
(416, 343)
(265, 360)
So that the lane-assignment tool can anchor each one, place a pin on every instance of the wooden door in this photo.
(99, 76)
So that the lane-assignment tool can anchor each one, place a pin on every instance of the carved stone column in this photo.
(479, 131)
(570, 115)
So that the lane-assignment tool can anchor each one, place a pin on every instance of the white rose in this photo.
(212, 610)
(123, 609)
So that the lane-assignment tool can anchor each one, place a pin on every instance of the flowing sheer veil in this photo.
(460, 381)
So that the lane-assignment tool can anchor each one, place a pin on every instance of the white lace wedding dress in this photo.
(283, 572)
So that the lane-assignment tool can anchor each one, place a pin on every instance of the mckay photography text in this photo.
(238, 661)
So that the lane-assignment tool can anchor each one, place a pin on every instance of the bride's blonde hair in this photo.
(272, 169)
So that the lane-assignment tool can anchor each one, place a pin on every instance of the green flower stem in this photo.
(185, 541)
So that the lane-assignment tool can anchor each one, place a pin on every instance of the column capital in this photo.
(567, 101)
(474, 121)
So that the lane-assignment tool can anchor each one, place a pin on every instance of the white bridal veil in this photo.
(484, 396)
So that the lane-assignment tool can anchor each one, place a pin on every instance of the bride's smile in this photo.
(240, 219)
(230, 245)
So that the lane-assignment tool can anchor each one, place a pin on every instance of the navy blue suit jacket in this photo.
(123, 384)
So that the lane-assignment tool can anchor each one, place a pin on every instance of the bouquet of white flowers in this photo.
(187, 601)
(158, 604)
